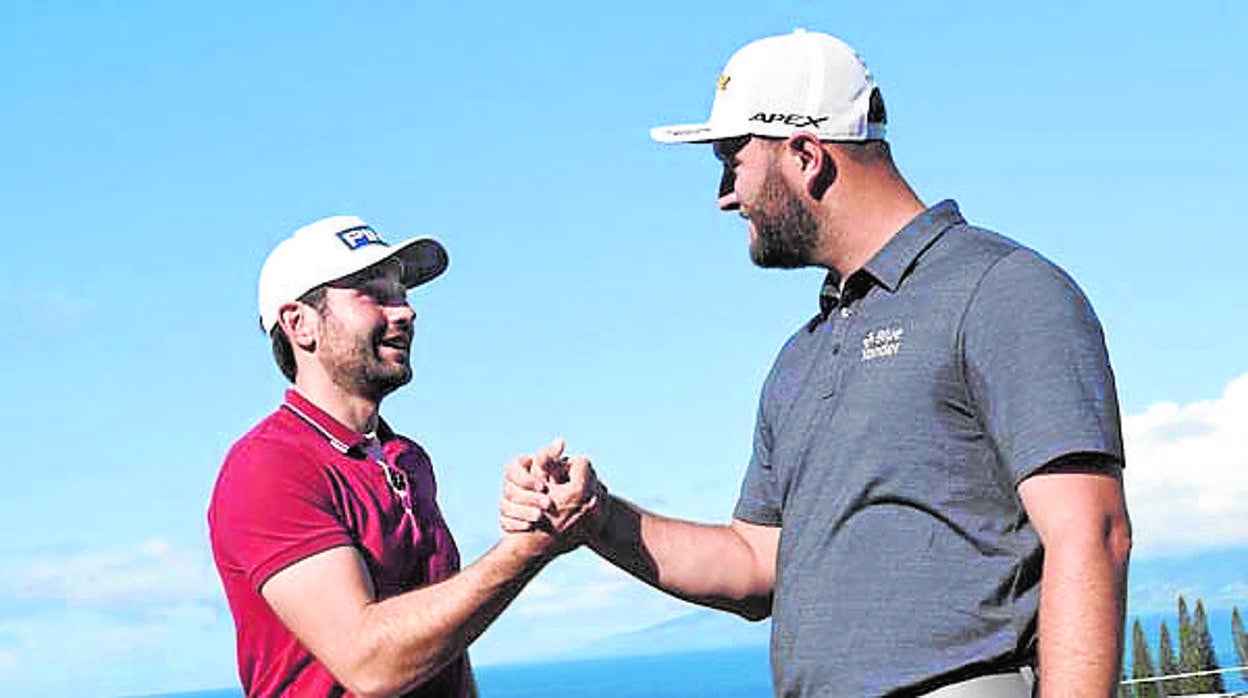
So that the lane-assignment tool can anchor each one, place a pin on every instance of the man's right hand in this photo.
(555, 498)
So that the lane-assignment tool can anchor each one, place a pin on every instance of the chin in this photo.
(387, 381)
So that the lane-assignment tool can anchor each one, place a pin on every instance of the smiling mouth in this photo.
(401, 343)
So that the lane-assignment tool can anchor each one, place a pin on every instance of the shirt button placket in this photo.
(839, 326)
(844, 320)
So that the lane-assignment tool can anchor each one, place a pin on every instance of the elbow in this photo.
(365, 690)
(751, 607)
(1118, 540)
(374, 674)
(754, 611)
(368, 683)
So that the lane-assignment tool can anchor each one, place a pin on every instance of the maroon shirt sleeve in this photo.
(276, 502)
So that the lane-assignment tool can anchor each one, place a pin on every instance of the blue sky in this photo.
(156, 151)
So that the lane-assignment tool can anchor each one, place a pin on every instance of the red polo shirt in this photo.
(300, 483)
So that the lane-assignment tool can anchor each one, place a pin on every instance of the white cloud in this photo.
(150, 616)
(573, 588)
(1187, 474)
(152, 572)
(175, 648)
(575, 601)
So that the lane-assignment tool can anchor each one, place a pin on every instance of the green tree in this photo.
(1124, 691)
(1240, 639)
(1142, 663)
(1206, 658)
(1188, 659)
(1167, 664)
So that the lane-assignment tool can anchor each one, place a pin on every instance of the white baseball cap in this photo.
(779, 85)
(331, 249)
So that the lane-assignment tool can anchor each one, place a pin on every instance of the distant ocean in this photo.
(729, 673)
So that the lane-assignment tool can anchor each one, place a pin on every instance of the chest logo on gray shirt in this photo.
(882, 343)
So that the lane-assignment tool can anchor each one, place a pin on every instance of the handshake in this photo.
(552, 501)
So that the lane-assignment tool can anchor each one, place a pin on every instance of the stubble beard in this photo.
(785, 231)
(354, 364)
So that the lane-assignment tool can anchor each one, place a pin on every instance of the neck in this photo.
(862, 214)
(355, 411)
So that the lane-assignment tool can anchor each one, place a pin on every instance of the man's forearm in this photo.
(1082, 600)
(406, 639)
(711, 565)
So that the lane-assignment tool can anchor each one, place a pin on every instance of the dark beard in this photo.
(359, 369)
(786, 232)
(377, 380)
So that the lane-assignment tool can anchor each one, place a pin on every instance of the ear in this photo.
(300, 322)
(818, 169)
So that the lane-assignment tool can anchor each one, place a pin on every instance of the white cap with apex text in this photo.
(779, 85)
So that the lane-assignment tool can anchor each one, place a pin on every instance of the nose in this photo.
(402, 313)
(727, 200)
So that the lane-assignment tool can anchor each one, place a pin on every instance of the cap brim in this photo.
(693, 133)
(424, 259)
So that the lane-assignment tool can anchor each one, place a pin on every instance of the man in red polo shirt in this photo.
(340, 572)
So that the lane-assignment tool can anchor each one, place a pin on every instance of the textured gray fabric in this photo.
(892, 433)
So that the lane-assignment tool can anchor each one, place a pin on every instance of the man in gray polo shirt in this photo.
(934, 503)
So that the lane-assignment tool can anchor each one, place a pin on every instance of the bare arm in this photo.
(384, 647)
(381, 648)
(1081, 517)
(730, 567)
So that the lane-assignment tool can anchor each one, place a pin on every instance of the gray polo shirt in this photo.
(893, 431)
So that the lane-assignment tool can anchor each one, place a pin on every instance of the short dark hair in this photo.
(876, 114)
(867, 152)
(872, 151)
(283, 352)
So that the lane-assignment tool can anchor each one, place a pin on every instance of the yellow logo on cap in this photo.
(722, 83)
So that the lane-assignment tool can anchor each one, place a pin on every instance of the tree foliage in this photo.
(1142, 663)
(1167, 664)
(1195, 655)
(1188, 661)
(1206, 658)
(1240, 639)
(1124, 690)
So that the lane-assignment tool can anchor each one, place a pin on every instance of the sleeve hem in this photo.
(289, 556)
(756, 515)
(1037, 462)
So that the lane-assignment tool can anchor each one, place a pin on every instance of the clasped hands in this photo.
(555, 497)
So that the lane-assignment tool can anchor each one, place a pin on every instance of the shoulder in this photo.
(1031, 287)
(999, 261)
(271, 441)
(1000, 276)
(271, 457)
(1023, 265)
(970, 252)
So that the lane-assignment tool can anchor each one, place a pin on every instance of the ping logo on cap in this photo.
(355, 238)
